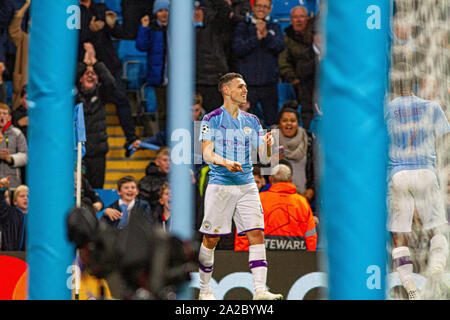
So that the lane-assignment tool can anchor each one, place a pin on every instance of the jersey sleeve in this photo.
(440, 122)
(207, 130)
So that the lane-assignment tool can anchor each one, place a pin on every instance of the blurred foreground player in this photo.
(415, 126)
(228, 134)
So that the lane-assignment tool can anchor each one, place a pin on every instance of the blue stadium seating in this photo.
(134, 64)
(282, 8)
(113, 5)
(108, 196)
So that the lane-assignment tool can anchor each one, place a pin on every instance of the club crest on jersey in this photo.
(247, 130)
(207, 225)
(205, 129)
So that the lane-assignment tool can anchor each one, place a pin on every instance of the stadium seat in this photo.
(281, 9)
(108, 196)
(113, 5)
(134, 64)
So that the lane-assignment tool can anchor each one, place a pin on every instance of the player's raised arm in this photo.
(210, 157)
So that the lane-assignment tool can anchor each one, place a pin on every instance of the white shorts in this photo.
(223, 204)
(419, 189)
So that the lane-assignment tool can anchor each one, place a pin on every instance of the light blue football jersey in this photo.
(234, 140)
(413, 125)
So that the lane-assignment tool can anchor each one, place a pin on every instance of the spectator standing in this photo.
(118, 213)
(286, 213)
(152, 38)
(240, 9)
(95, 85)
(297, 61)
(98, 26)
(162, 213)
(298, 148)
(6, 14)
(20, 40)
(132, 12)
(13, 148)
(13, 217)
(156, 174)
(20, 114)
(212, 21)
(257, 43)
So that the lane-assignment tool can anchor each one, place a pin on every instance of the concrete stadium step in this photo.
(112, 175)
(119, 152)
(120, 164)
(116, 141)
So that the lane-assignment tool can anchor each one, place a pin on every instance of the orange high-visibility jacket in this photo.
(286, 213)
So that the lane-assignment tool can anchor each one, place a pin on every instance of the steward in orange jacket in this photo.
(286, 215)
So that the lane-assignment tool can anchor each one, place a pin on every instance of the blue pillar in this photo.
(50, 175)
(353, 83)
(180, 100)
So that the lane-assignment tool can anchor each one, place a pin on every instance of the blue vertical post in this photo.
(50, 171)
(180, 99)
(353, 84)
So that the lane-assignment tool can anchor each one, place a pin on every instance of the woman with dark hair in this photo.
(297, 146)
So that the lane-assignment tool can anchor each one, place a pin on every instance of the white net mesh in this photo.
(419, 113)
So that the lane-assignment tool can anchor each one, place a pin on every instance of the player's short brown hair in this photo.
(226, 78)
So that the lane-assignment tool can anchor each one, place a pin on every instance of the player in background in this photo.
(228, 136)
(415, 126)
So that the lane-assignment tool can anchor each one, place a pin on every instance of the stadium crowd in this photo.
(231, 36)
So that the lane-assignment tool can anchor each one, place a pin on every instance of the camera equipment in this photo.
(151, 263)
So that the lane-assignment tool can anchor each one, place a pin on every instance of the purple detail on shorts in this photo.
(216, 234)
(398, 262)
(244, 232)
(213, 113)
(205, 269)
(257, 263)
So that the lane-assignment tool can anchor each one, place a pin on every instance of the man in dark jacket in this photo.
(257, 43)
(156, 174)
(152, 38)
(13, 217)
(98, 26)
(297, 61)
(212, 21)
(94, 86)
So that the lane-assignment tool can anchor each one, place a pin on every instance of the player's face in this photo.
(261, 9)
(237, 90)
(288, 124)
(128, 191)
(299, 19)
(22, 200)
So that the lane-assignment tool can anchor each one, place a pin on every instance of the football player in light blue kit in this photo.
(228, 136)
(415, 126)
